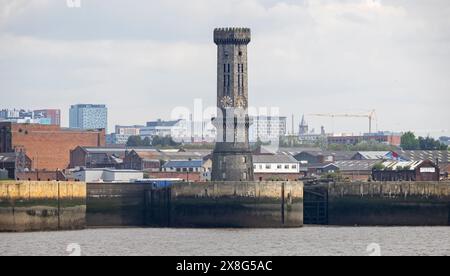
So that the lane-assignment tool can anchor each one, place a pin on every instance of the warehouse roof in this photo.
(161, 123)
(184, 164)
(276, 158)
(8, 157)
(356, 165)
(338, 155)
(415, 155)
(393, 165)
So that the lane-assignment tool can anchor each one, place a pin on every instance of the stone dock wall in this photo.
(389, 204)
(42, 206)
(208, 204)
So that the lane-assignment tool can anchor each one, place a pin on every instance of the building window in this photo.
(244, 176)
(286, 167)
(244, 160)
(268, 167)
(224, 176)
(294, 166)
(279, 167)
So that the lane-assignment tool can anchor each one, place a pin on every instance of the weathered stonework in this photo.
(389, 204)
(42, 206)
(239, 204)
(232, 158)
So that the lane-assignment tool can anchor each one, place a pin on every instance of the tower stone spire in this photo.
(303, 128)
(232, 157)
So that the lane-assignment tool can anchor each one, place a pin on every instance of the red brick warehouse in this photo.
(48, 146)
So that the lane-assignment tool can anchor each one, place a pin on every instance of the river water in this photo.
(309, 240)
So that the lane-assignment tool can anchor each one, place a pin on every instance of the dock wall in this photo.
(206, 204)
(42, 206)
(389, 204)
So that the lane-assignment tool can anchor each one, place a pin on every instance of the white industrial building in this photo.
(181, 131)
(276, 164)
(108, 175)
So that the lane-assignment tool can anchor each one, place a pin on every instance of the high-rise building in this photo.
(123, 133)
(232, 157)
(22, 116)
(15, 114)
(177, 129)
(267, 128)
(53, 115)
(88, 116)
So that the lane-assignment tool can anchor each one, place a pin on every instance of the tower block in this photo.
(232, 157)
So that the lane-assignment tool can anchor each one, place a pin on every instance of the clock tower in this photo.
(232, 157)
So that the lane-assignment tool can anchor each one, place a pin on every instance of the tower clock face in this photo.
(241, 102)
(226, 102)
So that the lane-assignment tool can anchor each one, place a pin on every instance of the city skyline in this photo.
(328, 56)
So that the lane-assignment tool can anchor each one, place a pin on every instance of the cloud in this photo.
(9, 9)
(145, 58)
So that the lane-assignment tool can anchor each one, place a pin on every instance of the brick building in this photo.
(407, 171)
(89, 157)
(48, 146)
(145, 160)
(387, 138)
(10, 162)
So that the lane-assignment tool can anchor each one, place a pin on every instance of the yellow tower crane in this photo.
(371, 116)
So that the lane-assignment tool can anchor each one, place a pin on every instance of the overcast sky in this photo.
(144, 58)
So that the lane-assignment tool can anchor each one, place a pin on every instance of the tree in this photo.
(146, 142)
(429, 143)
(409, 141)
(379, 167)
(166, 141)
(134, 141)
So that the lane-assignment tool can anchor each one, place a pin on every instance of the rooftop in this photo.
(277, 158)
(7, 157)
(184, 164)
(393, 165)
(161, 123)
(442, 156)
(356, 165)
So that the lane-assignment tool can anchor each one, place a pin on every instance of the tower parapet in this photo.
(232, 36)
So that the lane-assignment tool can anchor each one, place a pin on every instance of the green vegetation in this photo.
(336, 176)
(158, 142)
(164, 142)
(137, 141)
(410, 142)
(379, 167)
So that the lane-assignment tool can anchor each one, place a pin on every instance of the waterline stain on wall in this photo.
(42, 206)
